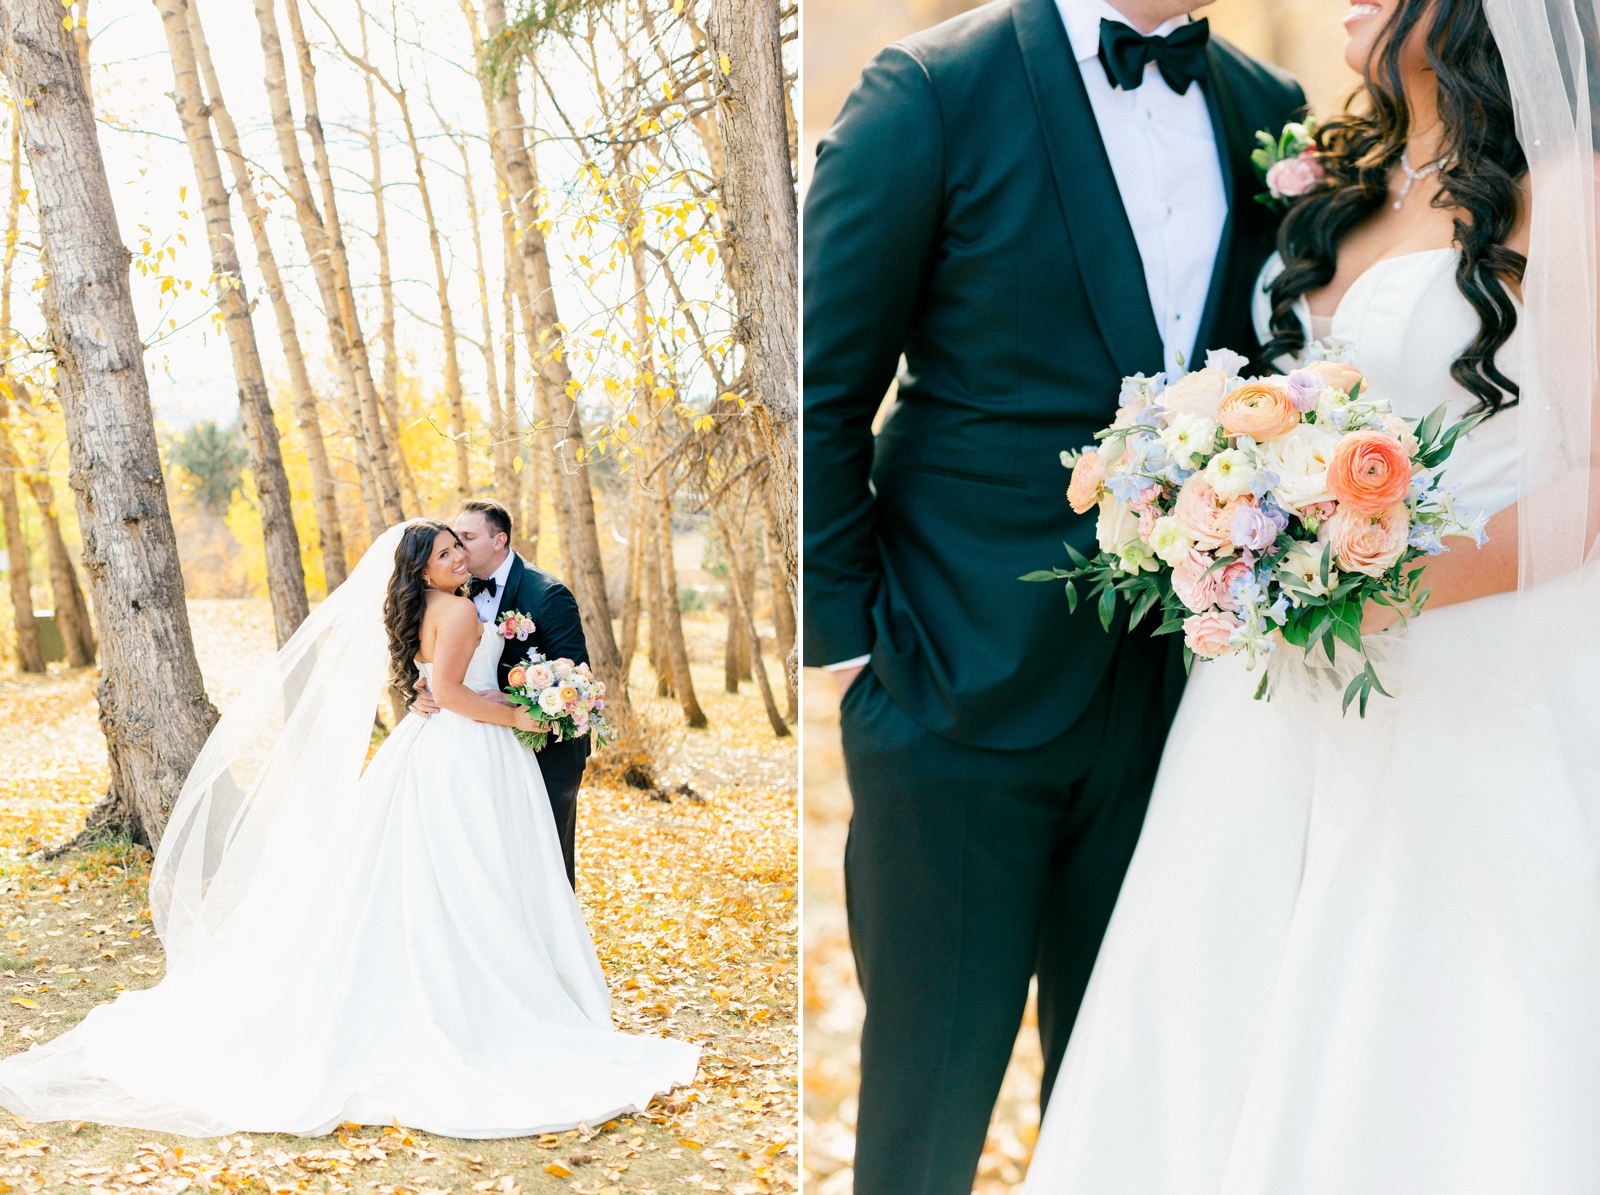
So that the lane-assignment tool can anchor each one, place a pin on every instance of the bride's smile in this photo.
(447, 566)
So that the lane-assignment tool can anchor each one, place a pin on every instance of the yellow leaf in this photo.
(688, 1144)
(14, 936)
(558, 1170)
(726, 65)
(25, 1002)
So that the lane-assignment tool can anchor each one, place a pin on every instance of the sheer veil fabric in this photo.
(394, 943)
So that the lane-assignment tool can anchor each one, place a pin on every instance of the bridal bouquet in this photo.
(564, 698)
(1255, 511)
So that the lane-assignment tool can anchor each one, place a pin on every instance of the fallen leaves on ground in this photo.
(833, 1003)
(692, 904)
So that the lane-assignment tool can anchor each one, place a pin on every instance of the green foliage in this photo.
(691, 601)
(526, 28)
(212, 458)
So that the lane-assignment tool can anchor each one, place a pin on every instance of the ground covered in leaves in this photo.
(833, 1006)
(692, 904)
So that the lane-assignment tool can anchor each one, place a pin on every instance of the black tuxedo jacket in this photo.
(559, 633)
(963, 213)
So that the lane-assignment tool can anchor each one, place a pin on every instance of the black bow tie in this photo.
(1180, 56)
(479, 584)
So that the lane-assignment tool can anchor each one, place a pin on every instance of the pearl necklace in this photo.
(1416, 176)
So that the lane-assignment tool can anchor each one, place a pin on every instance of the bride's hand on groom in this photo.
(426, 707)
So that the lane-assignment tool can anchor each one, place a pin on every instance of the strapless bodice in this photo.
(483, 670)
(1407, 322)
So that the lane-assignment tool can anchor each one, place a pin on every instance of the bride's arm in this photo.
(455, 640)
(1464, 572)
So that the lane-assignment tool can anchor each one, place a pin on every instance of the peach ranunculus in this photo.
(1205, 517)
(1368, 543)
(1207, 635)
(1369, 472)
(1260, 410)
(516, 677)
(1195, 586)
(1088, 475)
(1337, 374)
(1199, 393)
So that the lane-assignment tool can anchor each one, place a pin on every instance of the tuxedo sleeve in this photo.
(561, 627)
(871, 222)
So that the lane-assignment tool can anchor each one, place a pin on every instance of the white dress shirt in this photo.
(1163, 155)
(489, 606)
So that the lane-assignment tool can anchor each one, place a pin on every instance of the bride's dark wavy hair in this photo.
(406, 600)
(1485, 162)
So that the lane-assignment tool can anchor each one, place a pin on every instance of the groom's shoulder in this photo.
(962, 45)
(1261, 83)
(541, 580)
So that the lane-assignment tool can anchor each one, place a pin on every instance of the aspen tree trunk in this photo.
(519, 446)
(672, 630)
(343, 307)
(314, 234)
(286, 582)
(389, 394)
(541, 329)
(783, 620)
(660, 662)
(745, 611)
(447, 322)
(153, 705)
(30, 658)
(330, 534)
(745, 46)
(72, 612)
(630, 586)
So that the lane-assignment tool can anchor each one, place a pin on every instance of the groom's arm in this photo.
(560, 633)
(871, 225)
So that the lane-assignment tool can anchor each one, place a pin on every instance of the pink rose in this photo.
(1088, 475)
(1367, 543)
(1199, 393)
(1195, 586)
(1207, 635)
(1225, 579)
(1206, 518)
(1296, 176)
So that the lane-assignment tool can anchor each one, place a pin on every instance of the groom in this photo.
(1024, 205)
(502, 581)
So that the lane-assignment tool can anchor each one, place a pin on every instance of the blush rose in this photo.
(1207, 635)
(1368, 544)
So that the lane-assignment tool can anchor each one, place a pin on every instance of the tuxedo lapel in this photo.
(1097, 225)
(1234, 142)
(511, 599)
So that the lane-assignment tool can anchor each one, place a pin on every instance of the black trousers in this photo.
(968, 871)
(562, 787)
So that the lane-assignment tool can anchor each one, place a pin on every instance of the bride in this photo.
(394, 944)
(1363, 955)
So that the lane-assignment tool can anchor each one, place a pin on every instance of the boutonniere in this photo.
(1287, 164)
(513, 624)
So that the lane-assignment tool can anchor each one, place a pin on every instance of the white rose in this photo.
(1169, 540)
(1304, 561)
(1229, 473)
(550, 702)
(1198, 393)
(1116, 525)
(1188, 437)
(1300, 459)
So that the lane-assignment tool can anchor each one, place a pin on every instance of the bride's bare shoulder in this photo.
(450, 614)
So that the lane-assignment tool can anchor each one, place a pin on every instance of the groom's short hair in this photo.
(498, 516)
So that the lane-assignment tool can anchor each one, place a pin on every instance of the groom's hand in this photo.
(424, 706)
(843, 678)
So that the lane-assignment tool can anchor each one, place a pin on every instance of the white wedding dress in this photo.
(1360, 957)
(412, 954)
